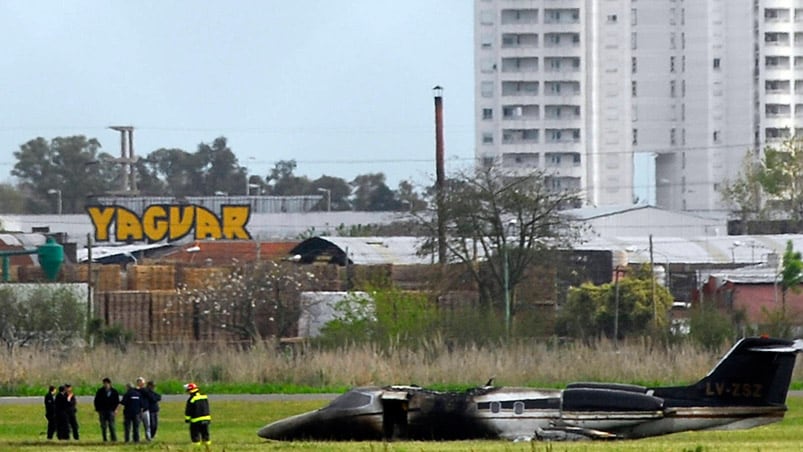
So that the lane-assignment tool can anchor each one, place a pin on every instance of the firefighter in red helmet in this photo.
(197, 415)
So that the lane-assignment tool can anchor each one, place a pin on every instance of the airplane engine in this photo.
(594, 399)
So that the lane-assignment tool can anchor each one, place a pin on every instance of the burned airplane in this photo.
(747, 388)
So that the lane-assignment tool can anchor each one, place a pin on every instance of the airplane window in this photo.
(518, 407)
(495, 406)
(352, 399)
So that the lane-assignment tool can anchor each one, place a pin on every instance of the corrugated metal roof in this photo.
(587, 213)
(375, 250)
(742, 249)
(749, 275)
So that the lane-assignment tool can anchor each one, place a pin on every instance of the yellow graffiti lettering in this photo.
(234, 219)
(128, 225)
(155, 223)
(182, 219)
(173, 222)
(206, 224)
(102, 218)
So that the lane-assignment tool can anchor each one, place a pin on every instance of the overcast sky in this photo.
(342, 87)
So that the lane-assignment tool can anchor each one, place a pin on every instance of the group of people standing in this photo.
(61, 407)
(140, 406)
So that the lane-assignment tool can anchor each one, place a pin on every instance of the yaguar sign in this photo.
(171, 222)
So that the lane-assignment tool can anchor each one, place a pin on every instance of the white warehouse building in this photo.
(579, 88)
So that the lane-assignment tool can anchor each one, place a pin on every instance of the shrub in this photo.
(710, 328)
(47, 314)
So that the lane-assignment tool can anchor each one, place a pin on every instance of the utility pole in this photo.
(128, 179)
(652, 288)
(439, 173)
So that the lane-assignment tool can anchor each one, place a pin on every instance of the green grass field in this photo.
(234, 426)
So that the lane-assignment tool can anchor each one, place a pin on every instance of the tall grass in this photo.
(436, 362)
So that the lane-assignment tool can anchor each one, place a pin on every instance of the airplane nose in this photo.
(294, 427)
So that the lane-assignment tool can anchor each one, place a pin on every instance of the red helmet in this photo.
(190, 387)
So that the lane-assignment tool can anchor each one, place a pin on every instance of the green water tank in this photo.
(51, 255)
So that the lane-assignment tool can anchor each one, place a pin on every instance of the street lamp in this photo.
(328, 198)
(56, 191)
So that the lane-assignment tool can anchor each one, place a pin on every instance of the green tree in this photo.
(591, 311)
(220, 170)
(791, 273)
(782, 175)
(283, 181)
(63, 165)
(48, 315)
(177, 169)
(12, 200)
(339, 192)
(373, 195)
(408, 198)
(382, 315)
(709, 327)
(743, 194)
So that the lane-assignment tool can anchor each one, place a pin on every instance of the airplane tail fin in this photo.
(756, 371)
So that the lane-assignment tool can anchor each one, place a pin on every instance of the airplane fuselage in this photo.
(747, 388)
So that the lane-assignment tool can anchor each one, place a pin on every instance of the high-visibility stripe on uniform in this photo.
(196, 398)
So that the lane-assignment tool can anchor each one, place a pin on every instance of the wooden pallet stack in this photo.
(131, 310)
(201, 277)
(171, 320)
(151, 277)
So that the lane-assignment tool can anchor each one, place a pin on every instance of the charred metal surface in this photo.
(745, 389)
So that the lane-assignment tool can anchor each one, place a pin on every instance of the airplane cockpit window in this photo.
(495, 407)
(518, 407)
(351, 399)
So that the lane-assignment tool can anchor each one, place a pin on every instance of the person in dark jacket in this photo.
(107, 399)
(72, 412)
(197, 414)
(50, 411)
(61, 408)
(145, 402)
(154, 399)
(132, 409)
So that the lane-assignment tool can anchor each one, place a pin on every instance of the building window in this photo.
(633, 16)
(487, 89)
(716, 63)
(487, 113)
(635, 137)
(673, 136)
(487, 41)
(672, 88)
(633, 40)
(633, 65)
(672, 40)
(611, 18)
(487, 138)
(634, 88)
(672, 64)
(716, 136)
(487, 17)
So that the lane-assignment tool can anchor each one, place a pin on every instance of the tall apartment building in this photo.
(578, 87)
